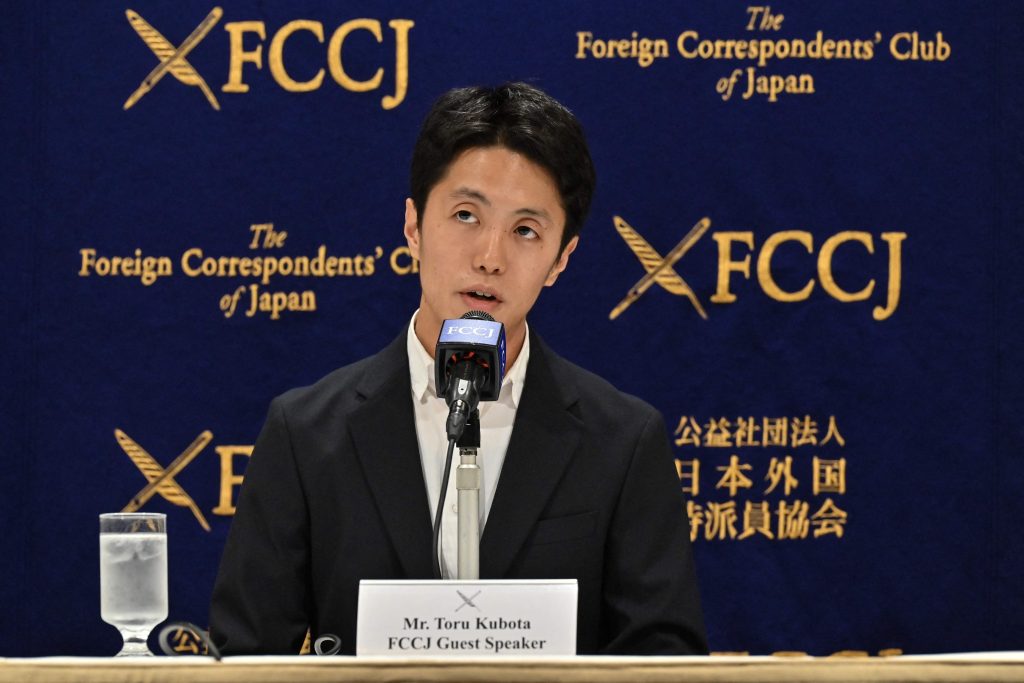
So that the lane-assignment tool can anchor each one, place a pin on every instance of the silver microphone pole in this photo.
(467, 483)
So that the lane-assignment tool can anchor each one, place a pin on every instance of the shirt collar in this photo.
(421, 369)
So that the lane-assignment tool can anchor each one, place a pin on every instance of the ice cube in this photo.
(116, 550)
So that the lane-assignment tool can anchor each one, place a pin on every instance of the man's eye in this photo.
(465, 216)
(527, 232)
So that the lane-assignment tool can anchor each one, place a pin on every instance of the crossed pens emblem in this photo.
(468, 600)
(161, 480)
(659, 269)
(172, 59)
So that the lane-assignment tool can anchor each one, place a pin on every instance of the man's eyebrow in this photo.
(470, 193)
(539, 213)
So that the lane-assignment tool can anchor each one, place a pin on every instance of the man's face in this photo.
(488, 240)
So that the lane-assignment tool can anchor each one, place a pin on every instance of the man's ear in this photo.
(412, 228)
(562, 261)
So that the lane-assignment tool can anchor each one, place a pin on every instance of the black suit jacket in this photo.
(334, 493)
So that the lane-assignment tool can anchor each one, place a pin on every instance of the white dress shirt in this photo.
(496, 421)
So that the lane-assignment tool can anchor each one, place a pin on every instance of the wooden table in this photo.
(999, 666)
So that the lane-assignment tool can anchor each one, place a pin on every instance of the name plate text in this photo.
(467, 618)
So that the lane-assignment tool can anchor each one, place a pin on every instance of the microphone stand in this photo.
(467, 483)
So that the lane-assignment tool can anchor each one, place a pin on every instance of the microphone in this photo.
(469, 364)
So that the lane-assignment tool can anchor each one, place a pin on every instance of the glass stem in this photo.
(135, 643)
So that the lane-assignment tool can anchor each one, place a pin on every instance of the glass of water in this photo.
(133, 576)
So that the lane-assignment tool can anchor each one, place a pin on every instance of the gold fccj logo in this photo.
(161, 480)
(240, 34)
(661, 270)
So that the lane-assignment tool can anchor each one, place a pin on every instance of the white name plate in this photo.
(467, 618)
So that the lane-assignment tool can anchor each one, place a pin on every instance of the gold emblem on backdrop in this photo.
(161, 480)
(172, 59)
(660, 270)
(757, 265)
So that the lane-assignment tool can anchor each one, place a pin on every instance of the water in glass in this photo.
(133, 578)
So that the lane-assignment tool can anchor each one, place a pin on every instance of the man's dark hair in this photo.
(519, 117)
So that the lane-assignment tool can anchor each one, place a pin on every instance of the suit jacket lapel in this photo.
(543, 440)
(383, 430)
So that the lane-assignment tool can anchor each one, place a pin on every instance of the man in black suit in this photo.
(578, 480)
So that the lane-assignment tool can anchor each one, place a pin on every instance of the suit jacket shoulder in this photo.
(615, 405)
(339, 392)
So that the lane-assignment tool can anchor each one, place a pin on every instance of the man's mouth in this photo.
(481, 296)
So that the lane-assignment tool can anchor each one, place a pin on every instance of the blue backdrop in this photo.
(851, 450)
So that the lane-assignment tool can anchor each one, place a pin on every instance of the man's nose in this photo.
(490, 251)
